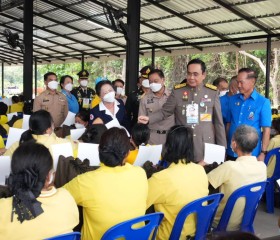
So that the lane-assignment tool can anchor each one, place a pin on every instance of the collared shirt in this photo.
(224, 106)
(84, 94)
(254, 111)
(273, 143)
(150, 104)
(102, 107)
(232, 175)
(73, 104)
(55, 104)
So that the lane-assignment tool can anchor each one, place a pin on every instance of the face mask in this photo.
(109, 97)
(53, 85)
(79, 125)
(155, 87)
(119, 90)
(223, 93)
(84, 83)
(69, 87)
(145, 83)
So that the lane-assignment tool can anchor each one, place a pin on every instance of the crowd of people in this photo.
(233, 115)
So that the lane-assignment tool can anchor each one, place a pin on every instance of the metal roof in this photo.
(66, 29)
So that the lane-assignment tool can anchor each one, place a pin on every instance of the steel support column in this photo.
(35, 76)
(153, 57)
(2, 79)
(28, 54)
(268, 58)
(132, 53)
(83, 61)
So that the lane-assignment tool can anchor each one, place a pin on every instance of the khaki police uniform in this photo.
(150, 105)
(84, 96)
(56, 104)
(198, 108)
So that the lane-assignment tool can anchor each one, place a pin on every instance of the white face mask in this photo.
(109, 97)
(119, 90)
(68, 87)
(79, 125)
(53, 85)
(84, 83)
(223, 93)
(145, 83)
(155, 87)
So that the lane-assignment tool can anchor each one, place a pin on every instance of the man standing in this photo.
(196, 105)
(232, 175)
(133, 100)
(249, 107)
(51, 100)
(222, 85)
(152, 102)
(83, 93)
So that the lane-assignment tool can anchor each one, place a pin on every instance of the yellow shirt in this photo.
(2, 144)
(18, 123)
(273, 143)
(132, 156)
(3, 119)
(60, 216)
(173, 188)
(16, 107)
(109, 195)
(46, 140)
(232, 175)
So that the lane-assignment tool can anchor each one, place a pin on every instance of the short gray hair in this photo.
(246, 138)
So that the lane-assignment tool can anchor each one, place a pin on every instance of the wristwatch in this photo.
(264, 152)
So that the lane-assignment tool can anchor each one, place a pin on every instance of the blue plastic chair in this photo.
(252, 197)
(67, 236)
(204, 215)
(130, 232)
(269, 192)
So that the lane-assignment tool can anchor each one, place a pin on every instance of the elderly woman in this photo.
(37, 210)
(109, 108)
(115, 192)
(181, 183)
(66, 84)
(40, 130)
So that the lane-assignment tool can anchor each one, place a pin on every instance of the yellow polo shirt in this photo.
(173, 188)
(60, 216)
(232, 175)
(273, 143)
(3, 119)
(109, 195)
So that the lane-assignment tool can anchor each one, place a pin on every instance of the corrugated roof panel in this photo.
(82, 37)
(79, 46)
(62, 40)
(62, 16)
(157, 36)
(61, 49)
(271, 22)
(60, 29)
(170, 23)
(102, 44)
(227, 28)
(193, 33)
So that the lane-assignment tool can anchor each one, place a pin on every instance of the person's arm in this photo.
(265, 142)
(74, 188)
(219, 175)
(142, 108)
(220, 135)
(156, 194)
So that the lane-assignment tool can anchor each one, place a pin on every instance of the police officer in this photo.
(51, 100)
(133, 100)
(196, 105)
(152, 102)
(83, 93)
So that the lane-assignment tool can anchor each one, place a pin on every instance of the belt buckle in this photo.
(161, 132)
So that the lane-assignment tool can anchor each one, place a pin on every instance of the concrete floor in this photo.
(265, 224)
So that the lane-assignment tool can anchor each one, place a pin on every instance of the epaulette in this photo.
(208, 85)
(178, 86)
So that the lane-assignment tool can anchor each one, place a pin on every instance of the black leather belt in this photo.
(161, 131)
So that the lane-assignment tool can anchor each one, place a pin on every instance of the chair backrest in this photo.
(67, 236)
(130, 232)
(272, 152)
(252, 194)
(204, 216)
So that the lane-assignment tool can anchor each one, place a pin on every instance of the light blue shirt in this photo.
(73, 104)
(254, 111)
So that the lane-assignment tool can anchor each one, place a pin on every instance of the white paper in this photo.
(70, 119)
(89, 151)
(115, 123)
(278, 182)
(25, 122)
(10, 115)
(64, 149)
(148, 153)
(77, 133)
(214, 153)
(5, 168)
(14, 136)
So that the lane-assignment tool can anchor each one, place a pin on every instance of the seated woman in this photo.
(273, 143)
(66, 84)
(109, 108)
(113, 193)
(140, 135)
(181, 183)
(37, 210)
(40, 130)
(3, 113)
(82, 119)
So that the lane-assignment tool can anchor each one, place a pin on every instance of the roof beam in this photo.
(187, 19)
(243, 15)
